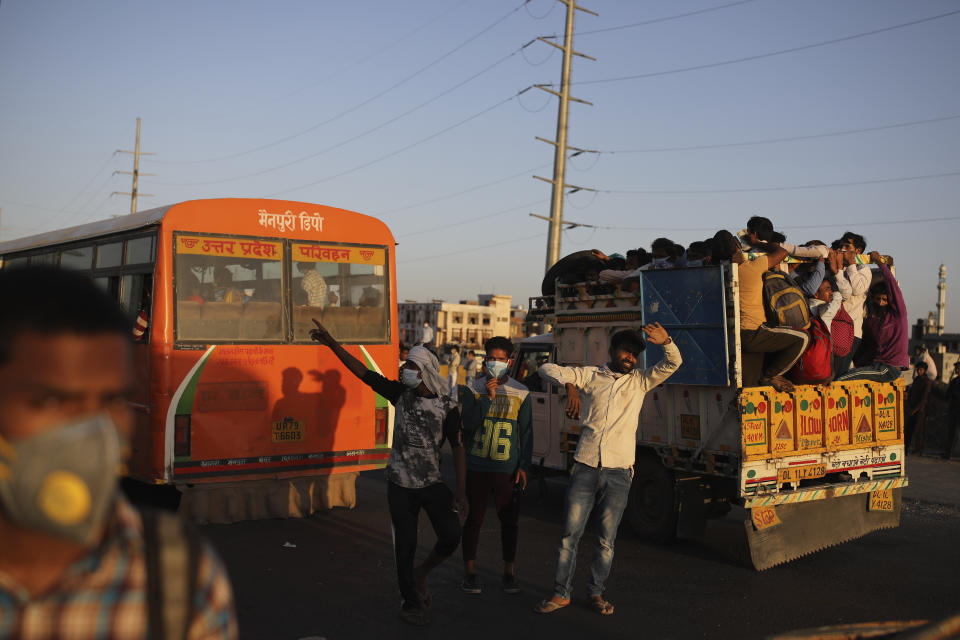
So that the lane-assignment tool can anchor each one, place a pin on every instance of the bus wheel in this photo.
(652, 505)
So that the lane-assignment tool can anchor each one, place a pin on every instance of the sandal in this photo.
(601, 606)
(549, 606)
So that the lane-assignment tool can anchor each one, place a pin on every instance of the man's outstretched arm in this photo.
(321, 335)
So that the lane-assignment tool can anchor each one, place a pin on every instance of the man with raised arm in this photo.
(426, 416)
(603, 463)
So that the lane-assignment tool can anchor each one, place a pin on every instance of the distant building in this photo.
(468, 322)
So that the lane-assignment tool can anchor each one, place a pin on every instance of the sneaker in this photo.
(416, 617)
(510, 584)
(471, 584)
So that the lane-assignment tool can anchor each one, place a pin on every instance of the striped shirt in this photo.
(103, 594)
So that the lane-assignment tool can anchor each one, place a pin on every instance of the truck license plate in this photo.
(881, 500)
(793, 474)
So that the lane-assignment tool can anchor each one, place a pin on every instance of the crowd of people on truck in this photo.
(809, 313)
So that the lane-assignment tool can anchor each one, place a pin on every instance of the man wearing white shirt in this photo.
(603, 468)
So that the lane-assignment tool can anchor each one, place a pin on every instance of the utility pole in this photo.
(560, 144)
(135, 173)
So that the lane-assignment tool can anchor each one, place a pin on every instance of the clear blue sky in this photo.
(409, 111)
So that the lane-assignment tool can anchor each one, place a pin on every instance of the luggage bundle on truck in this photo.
(813, 467)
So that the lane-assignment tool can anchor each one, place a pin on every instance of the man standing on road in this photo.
(916, 407)
(470, 369)
(953, 410)
(75, 561)
(603, 467)
(426, 336)
(499, 435)
(426, 416)
(453, 373)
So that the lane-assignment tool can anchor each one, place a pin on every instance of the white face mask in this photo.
(496, 368)
(410, 378)
(62, 481)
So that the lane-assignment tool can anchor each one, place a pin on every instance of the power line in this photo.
(870, 223)
(473, 249)
(658, 20)
(400, 150)
(367, 132)
(783, 139)
(363, 103)
(771, 53)
(471, 219)
(828, 185)
(525, 172)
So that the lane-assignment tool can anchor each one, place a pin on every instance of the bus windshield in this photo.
(343, 286)
(231, 289)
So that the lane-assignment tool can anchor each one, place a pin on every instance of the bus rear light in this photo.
(380, 422)
(181, 436)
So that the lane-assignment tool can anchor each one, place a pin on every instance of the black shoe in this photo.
(416, 617)
(510, 584)
(471, 584)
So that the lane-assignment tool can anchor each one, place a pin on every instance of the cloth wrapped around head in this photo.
(429, 370)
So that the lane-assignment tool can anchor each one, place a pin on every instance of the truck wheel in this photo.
(652, 505)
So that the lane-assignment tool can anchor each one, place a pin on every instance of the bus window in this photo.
(77, 258)
(345, 288)
(139, 250)
(44, 258)
(228, 289)
(109, 255)
(110, 284)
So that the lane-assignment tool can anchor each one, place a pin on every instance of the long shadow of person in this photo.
(333, 396)
(318, 411)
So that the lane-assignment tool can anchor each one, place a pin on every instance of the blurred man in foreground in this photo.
(75, 561)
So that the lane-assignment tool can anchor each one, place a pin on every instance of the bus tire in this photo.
(652, 504)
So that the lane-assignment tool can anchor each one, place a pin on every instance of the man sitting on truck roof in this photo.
(603, 468)
(767, 352)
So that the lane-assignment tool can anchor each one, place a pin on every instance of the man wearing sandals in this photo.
(426, 416)
(603, 463)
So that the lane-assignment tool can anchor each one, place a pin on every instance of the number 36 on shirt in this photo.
(493, 441)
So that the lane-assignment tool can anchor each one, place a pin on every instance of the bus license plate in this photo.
(286, 430)
(881, 500)
(794, 474)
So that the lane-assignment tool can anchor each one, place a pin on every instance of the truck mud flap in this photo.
(790, 531)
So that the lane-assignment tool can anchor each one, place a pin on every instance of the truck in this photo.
(812, 468)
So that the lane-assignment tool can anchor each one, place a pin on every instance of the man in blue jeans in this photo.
(603, 468)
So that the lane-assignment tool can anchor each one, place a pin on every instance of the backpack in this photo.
(784, 302)
(172, 558)
(815, 365)
(841, 332)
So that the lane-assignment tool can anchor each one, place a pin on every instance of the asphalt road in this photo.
(339, 580)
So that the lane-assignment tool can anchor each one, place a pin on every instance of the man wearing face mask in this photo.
(426, 416)
(73, 557)
(603, 463)
(499, 435)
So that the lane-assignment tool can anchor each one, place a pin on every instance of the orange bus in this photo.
(230, 386)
